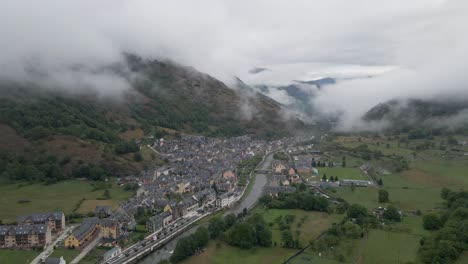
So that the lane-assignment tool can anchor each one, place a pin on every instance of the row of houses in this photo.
(32, 230)
(91, 228)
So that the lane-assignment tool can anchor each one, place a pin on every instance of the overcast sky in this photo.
(424, 42)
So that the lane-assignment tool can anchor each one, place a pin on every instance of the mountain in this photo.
(416, 113)
(49, 133)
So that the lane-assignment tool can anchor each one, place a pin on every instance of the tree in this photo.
(383, 196)
(332, 179)
(324, 178)
(392, 214)
(106, 194)
(357, 211)
(230, 220)
(137, 157)
(287, 239)
(216, 226)
(380, 182)
(431, 221)
(241, 235)
(352, 230)
(343, 162)
(445, 193)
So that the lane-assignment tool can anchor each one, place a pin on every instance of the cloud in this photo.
(422, 41)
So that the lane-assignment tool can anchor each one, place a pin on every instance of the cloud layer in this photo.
(423, 40)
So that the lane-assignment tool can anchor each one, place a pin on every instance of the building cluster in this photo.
(32, 231)
(199, 171)
(92, 228)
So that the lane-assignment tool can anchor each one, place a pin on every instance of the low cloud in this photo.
(69, 44)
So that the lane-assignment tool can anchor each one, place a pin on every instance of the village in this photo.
(201, 175)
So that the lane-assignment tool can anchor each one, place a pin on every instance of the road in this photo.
(248, 202)
(135, 251)
(50, 248)
(86, 250)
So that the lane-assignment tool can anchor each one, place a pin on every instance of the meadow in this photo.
(67, 196)
(17, 256)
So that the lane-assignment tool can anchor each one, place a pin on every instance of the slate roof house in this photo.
(84, 233)
(33, 235)
(55, 220)
(102, 211)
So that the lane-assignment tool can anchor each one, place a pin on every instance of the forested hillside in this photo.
(52, 135)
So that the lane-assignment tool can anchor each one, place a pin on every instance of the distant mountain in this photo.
(414, 113)
(319, 83)
(257, 70)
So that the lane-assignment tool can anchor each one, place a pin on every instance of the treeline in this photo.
(36, 119)
(302, 199)
(245, 167)
(238, 231)
(187, 246)
(450, 238)
(45, 168)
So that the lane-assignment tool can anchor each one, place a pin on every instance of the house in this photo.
(114, 252)
(157, 222)
(51, 260)
(205, 196)
(225, 200)
(25, 236)
(303, 167)
(278, 167)
(109, 228)
(102, 211)
(357, 183)
(275, 190)
(279, 180)
(55, 220)
(291, 172)
(84, 233)
(229, 175)
(187, 205)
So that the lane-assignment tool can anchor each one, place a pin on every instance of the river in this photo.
(248, 202)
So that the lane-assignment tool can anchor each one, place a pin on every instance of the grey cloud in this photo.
(423, 39)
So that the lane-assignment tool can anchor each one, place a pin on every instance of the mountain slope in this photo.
(50, 134)
(416, 113)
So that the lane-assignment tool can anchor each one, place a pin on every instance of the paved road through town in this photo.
(248, 202)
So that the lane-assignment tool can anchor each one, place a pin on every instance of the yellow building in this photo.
(109, 228)
(85, 232)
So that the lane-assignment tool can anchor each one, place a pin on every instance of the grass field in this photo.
(60, 196)
(366, 196)
(67, 254)
(343, 173)
(383, 247)
(389, 247)
(220, 253)
(95, 256)
(17, 256)
(309, 224)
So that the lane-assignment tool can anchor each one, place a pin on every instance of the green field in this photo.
(367, 196)
(17, 256)
(379, 246)
(343, 173)
(309, 224)
(67, 254)
(95, 256)
(64, 196)
(220, 253)
(389, 247)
